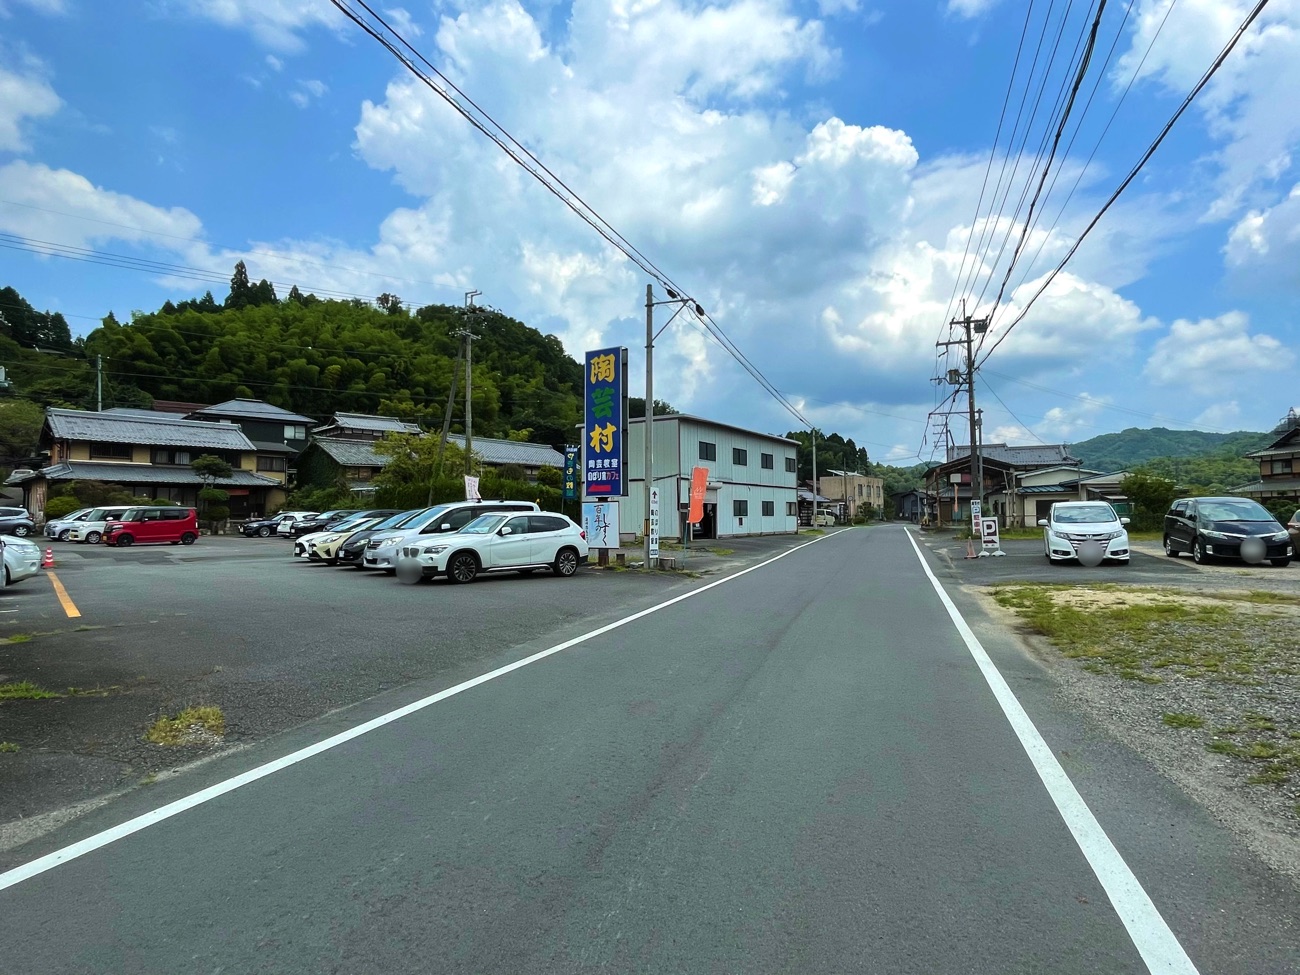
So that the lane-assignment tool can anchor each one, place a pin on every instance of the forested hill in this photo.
(1133, 447)
(314, 356)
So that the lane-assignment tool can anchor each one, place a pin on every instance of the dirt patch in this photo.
(1204, 685)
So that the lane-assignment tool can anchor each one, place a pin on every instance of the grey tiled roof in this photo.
(351, 453)
(512, 452)
(368, 424)
(148, 431)
(1031, 455)
(77, 470)
(265, 447)
(252, 409)
(1288, 484)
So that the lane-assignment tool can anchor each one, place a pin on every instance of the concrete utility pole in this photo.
(469, 338)
(99, 384)
(649, 412)
(971, 328)
(815, 492)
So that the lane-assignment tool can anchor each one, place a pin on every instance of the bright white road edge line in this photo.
(1151, 935)
(91, 843)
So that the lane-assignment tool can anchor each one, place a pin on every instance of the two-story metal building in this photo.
(752, 486)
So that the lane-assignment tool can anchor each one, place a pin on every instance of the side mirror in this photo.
(1042, 522)
(444, 527)
(1192, 516)
(507, 530)
(1123, 521)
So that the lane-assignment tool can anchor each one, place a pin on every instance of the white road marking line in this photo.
(1157, 945)
(91, 843)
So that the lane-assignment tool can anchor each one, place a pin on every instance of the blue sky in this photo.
(808, 170)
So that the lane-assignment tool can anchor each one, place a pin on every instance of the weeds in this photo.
(193, 726)
(1177, 719)
(7, 747)
(25, 691)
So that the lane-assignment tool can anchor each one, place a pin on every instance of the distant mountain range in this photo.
(1132, 447)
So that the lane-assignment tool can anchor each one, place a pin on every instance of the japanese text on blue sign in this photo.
(603, 430)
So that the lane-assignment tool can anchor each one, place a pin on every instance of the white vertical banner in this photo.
(654, 523)
(600, 522)
(975, 518)
(471, 489)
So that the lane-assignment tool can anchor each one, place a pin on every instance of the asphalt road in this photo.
(802, 769)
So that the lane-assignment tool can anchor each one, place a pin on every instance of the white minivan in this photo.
(91, 528)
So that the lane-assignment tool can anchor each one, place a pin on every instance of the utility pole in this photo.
(971, 327)
(815, 495)
(99, 384)
(469, 338)
(649, 413)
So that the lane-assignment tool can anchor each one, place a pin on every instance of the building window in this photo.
(739, 457)
(791, 465)
(273, 463)
(295, 432)
(739, 508)
(769, 509)
(110, 451)
(708, 451)
(1281, 467)
(166, 456)
(765, 461)
(792, 509)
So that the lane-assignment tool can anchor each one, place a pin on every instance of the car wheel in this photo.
(1170, 550)
(463, 567)
(1281, 563)
(22, 531)
(126, 541)
(264, 532)
(93, 538)
(63, 535)
(1199, 555)
(566, 562)
(188, 538)
(8, 581)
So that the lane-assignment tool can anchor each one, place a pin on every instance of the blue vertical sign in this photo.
(603, 430)
(571, 455)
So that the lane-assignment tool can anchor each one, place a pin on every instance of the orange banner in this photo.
(699, 485)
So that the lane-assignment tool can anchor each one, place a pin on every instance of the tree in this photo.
(390, 303)
(20, 430)
(241, 289)
(636, 407)
(295, 296)
(1151, 496)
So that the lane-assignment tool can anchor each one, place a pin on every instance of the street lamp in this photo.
(650, 336)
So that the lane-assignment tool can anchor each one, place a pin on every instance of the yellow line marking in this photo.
(65, 600)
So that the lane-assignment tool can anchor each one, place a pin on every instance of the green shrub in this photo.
(217, 513)
(60, 507)
(214, 496)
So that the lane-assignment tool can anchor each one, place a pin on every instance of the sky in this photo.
(828, 179)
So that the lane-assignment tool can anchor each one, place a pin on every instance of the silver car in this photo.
(22, 559)
(58, 528)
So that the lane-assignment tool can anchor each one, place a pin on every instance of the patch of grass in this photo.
(1271, 775)
(814, 531)
(1221, 746)
(7, 747)
(18, 638)
(25, 691)
(1178, 719)
(191, 726)
(721, 551)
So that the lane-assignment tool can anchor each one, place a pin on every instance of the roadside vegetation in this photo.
(202, 725)
(1221, 668)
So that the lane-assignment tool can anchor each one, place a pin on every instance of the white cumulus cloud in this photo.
(1216, 354)
(22, 96)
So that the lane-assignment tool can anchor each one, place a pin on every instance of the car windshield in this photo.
(484, 525)
(1233, 511)
(426, 516)
(1084, 514)
(356, 524)
(99, 514)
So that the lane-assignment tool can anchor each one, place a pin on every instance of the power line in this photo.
(479, 119)
(1205, 78)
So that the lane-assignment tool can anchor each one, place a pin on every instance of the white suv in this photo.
(383, 550)
(495, 542)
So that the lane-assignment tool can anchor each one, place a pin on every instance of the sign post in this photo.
(600, 522)
(991, 543)
(654, 523)
(604, 423)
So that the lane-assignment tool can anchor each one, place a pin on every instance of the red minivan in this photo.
(179, 526)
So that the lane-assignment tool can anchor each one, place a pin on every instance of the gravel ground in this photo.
(1209, 693)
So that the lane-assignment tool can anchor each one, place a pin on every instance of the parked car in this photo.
(352, 549)
(20, 525)
(494, 543)
(304, 526)
(285, 529)
(91, 528)
(153, 525)
(266, 527)
(59, 527)
(1220, 528)
(1069, 524)
(22, 559)
(383, 549)
(303, 545)
(6, 512)
(1293, 529)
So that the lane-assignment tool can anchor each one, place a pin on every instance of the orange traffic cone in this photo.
(970, 550)
(48, 561)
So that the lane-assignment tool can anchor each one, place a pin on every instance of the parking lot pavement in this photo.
(273, 641)
(1148, 566)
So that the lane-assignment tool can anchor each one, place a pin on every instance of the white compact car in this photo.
(496, 542)
(22, 559)
(59, 527)
(90, 529)
(1070, 525)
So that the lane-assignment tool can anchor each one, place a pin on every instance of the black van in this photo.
(1219, 528)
